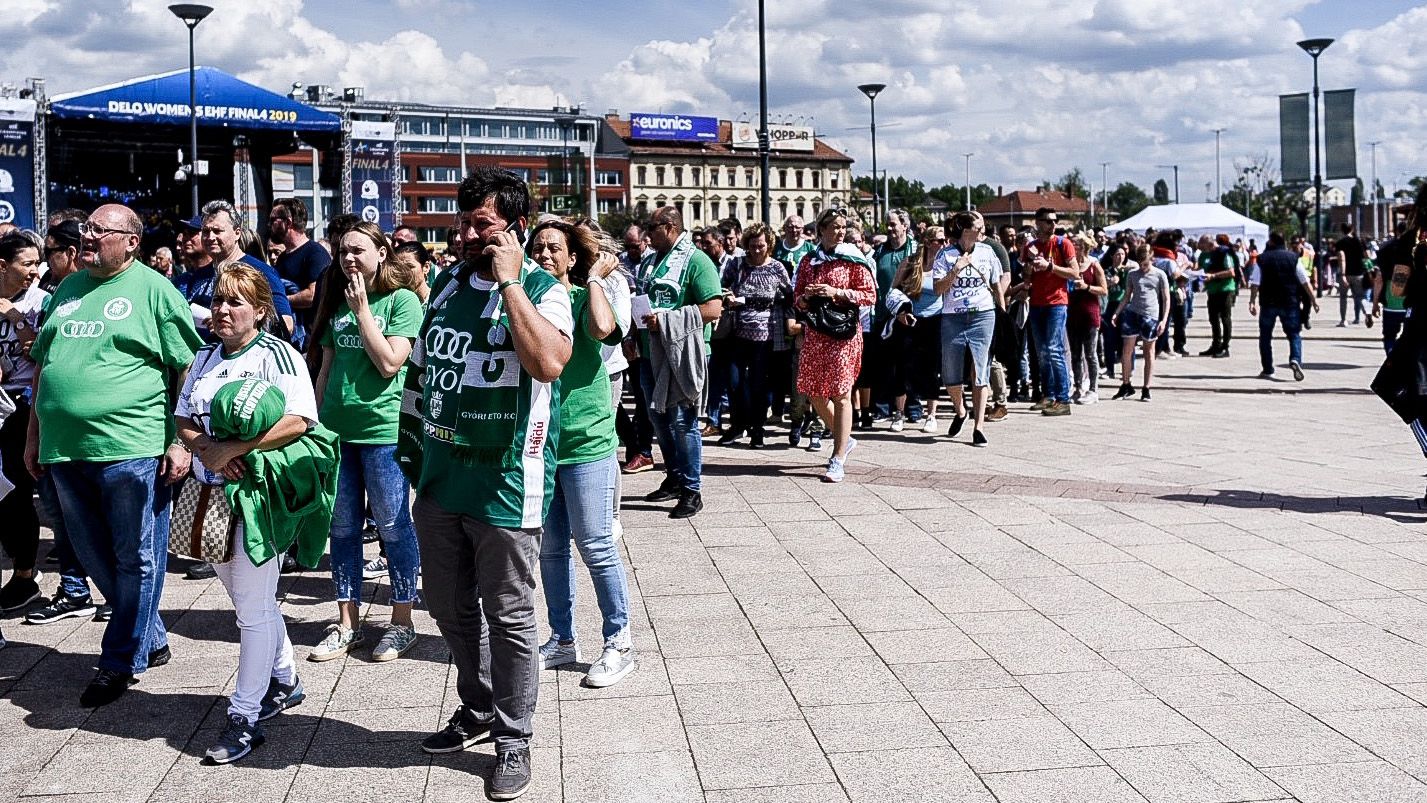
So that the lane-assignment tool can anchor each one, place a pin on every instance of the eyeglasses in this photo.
(93, 232)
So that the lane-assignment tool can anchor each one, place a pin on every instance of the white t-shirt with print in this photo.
(266, 357)
(17, 367)
(971, 291)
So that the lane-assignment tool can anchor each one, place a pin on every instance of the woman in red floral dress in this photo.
(829, 366)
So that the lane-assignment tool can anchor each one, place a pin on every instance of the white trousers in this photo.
(264, 651)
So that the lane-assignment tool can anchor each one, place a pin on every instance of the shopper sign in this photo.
(677, 127)
(780, 137)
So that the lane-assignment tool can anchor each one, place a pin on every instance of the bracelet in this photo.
(500, 288)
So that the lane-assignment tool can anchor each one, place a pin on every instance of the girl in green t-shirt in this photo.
(368, 317)
(586, 480)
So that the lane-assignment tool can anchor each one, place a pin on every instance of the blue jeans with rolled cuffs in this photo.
(680, 441)
(369, 474)
(1048, 325)
(581, 510)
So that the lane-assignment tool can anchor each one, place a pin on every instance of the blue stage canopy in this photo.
(223, 102)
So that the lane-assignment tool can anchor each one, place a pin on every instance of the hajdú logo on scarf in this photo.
(118, 309)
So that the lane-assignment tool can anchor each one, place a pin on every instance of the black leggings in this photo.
(19, 524)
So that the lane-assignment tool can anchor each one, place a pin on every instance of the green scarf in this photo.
(662, 278)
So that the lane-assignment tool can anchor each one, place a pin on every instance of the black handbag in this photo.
(834, 321)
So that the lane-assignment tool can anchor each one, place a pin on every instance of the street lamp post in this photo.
(1218, 176)
(968, 179)
(1104, 192)
(1315, 48)
(765, 196)
(1373, 190)
(871, 91)
(1175, 168)
(192, 14)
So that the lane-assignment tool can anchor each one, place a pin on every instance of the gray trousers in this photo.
(479, 584)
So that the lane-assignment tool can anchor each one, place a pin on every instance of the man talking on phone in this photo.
(479, 417)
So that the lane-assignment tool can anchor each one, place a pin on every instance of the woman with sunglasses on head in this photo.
(916, 333)
(369, 314)
(587, 463)
(967, 275)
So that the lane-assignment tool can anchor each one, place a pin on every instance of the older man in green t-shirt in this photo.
(116, 335)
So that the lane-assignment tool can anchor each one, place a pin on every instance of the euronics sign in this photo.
(673, 127)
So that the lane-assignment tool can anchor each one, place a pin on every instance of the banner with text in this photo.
(373, 177)
(17, 162)
(678, 127)
(780, 137)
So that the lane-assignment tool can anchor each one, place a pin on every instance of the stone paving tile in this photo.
(646, 777)
(1191, 773)
(1128, 723)
(1394, 734)
(872, 726)
(1028, 743)
(912, 774)
(1362, 782)
(832, 681)
(757, 754)
(1275, 734)
(802, 793)
(1071, 785)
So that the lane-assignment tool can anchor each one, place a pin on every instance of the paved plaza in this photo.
(1220, 595)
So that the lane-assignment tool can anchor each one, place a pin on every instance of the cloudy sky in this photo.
(1032, 88)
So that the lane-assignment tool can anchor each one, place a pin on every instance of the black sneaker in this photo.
(1297, 371)
(1222, 355)
(160, 656)
(106, 687)
(977, 439)
(462, 730)
(795, 435)
(289, 564)
(1145, 394)
(1126, 390)
(237, 740)
(19, 592)
(201, 571)
(957, 422)
(104, 613)
(690, 502)
(668, 491)
(512, 775)
(1212, 351)
(61, 607)
(280, 697)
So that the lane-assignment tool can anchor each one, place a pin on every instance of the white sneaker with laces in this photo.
(835, 471)
(1090, 398)
(396, 640)
(931, 426)
(611, 668)
(897, 422)
(374, 569)
(555, 654)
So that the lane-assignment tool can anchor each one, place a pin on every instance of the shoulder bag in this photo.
(201, 524)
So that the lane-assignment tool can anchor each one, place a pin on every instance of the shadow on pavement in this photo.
(1399, 509)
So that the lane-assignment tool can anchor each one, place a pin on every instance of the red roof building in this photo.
(1018, 208)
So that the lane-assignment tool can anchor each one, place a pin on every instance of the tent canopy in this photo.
(223, 102)
(1194, 220)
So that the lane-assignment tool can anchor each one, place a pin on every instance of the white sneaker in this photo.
(337, 642)
(394, 642)
(611, 668)
(374, 569)
(554, 654)
(834, 470)
(851, 444)
(896, 422)
(931, 426)
(1090, 398)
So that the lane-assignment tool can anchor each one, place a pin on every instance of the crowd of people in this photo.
(318, 390)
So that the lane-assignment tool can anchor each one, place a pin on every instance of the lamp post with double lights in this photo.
(192, 14)
(1315, 48)
(871, 91)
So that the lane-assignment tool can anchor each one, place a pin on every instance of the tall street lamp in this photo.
(871, 91)
(192, 14)
(1218, 177)
(1315, 48)
(1373, 189)
(968, 179)
(1104, 192)
(764, 195)
(1175, 168)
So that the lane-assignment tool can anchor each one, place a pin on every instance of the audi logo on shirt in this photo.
(81, 329)
(447, 344)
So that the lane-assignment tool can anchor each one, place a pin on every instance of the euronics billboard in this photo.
(679, 127)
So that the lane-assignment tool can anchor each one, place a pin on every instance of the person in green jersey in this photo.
(588, 473)
(674, 276)
(116, 334)
(792, 246)
(477, 437)
(366, 321)
(1220, 264)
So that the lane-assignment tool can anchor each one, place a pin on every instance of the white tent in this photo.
(1194, 220)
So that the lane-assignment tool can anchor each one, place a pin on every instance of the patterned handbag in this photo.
(201, 524)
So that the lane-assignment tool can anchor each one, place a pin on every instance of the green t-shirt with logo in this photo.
(471, 377)
(359, 404)
(1227, 262)
(698, 283)
(105, 353)
(586, 416)
(792, 257)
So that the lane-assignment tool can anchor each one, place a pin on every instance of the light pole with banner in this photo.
(1315, 48)
(765, 196)
(872, 91)
(192, 14)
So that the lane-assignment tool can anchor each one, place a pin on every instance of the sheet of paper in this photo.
(638, 308)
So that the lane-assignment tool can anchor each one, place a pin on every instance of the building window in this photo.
(542, 177)
(782, 177)
(698, 175)
(431, 235)
(608, 205)
(748, 177)
(429, 205)
(798, 177)
(713, 176)
(817, 178)
(749, 211)
(611, 178)
(678, 175)
(698, 210)
(800, 211)
(643, 175)
(439, 175)
(714, 207)
(523, 172)
(817, 207)
(832, 180)
(783, 210)
(659, 176)
(679, 205)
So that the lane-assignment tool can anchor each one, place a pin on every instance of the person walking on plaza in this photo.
(1351, 264)
(1141, 317)
(1050, 262)
(968, 276)
(682, 289)
(586, 480)
(477, 438)
(1278, 282)
(1389, 293)
(237, 384)
(833, 275)
(366, 320)
(116, 334)
(1220, 265)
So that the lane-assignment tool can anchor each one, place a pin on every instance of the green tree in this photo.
(1127, 200)
(1072, 184)
(1161, 191)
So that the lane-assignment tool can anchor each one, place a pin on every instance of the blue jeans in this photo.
(678, 433)
(581, 508)
(369, 474)
(1291, 328)
(117, 515)
(73, 582)
(1048, 326)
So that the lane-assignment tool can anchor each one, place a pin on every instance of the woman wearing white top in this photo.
(967, 275)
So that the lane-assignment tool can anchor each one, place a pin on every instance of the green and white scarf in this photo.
(662, 278)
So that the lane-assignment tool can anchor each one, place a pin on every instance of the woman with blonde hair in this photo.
(916, 333)
(368, 318)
